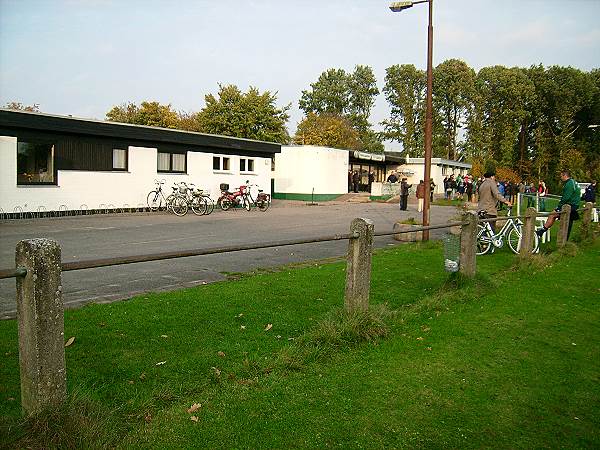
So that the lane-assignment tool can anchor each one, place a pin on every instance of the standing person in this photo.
(542, 191)
(371, 179)
(404, 191)
(432, 186)
(446, 187)
(349, 180)
(502, 191)
(355, 180)
(469, 190)
(590, 193)
(571, 195)
(489, 196)
(421, 195)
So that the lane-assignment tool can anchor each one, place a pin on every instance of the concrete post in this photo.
(41, 325)
(358, 266)
(468, 245)
(586, 223)
(528, 231)
(563, 230)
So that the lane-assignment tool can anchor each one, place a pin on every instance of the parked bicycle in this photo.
(262, 200)
(232, 199)
(156, 198)
(511, 231)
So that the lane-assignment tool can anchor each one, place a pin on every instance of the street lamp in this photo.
(398, 7)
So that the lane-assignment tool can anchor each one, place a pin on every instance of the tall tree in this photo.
(454, 88)
(349, 95)
(250, 115)
(404, 90)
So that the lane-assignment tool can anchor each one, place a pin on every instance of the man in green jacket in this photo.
(571, 195)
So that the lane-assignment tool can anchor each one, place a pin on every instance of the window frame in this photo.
(221, 166)
(121, 169)
(247, 163)
(171, 160)
(54, 171)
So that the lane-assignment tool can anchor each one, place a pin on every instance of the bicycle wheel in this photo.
(210, 204)
(484, 243)
(169, 202)
(199, 206)
(246, 203)
(263, 203)
(154, 200)
(514, 240)
(225, 203)
(179, 206)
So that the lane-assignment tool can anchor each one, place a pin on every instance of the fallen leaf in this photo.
(160, 363)
(195, 407)
(70, 341)
(194, 419)
(278, 336)
(425, 329)
(130, 381)
(420, 338)
(268, 327)
(148, 418)
(164, 336)
(429, 348)
(11, 399)
(242, 327)
(143, 376)
(240, 315)
(217, 371)
(221, 354)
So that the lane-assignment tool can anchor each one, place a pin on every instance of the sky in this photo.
(82, 57)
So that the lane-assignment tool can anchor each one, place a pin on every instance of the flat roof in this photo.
(25, 120)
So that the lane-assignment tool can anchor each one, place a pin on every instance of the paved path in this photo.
(89, 237)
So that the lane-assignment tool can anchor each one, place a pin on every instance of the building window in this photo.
(119, 159)
(171, 162)
(35, 163)
(221, 163)
(246, 165)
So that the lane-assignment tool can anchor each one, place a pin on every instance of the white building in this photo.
(49, 163)
(414, 170)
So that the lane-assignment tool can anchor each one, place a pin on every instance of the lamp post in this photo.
(398, 7)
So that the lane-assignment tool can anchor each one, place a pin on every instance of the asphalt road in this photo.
(104, 236)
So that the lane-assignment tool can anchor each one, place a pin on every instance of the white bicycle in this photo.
(511, 231)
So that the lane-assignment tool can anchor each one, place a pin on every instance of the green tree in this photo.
(454, 89)
(405, 88)
(151, 114)
(349, 95)
(250, 115)
(327, 130)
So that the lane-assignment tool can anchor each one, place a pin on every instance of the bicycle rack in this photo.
(62, 210)
(18, 210)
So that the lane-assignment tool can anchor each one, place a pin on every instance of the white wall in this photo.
(75, 188)
(299, 169)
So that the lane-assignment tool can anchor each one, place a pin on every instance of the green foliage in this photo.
(250, 115)
(405, 88)
(327, 130)
(151, 114)
(347, 95)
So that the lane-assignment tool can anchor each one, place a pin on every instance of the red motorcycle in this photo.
(237, 198)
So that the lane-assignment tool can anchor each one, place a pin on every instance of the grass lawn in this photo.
(511, 359)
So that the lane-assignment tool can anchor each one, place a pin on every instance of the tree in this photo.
(151, 114)
(349, 95)
(250, 115)
(404, 90)
(327, 130)
(16, 106)
(453, 94)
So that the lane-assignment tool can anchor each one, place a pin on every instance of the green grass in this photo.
(510, 359)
